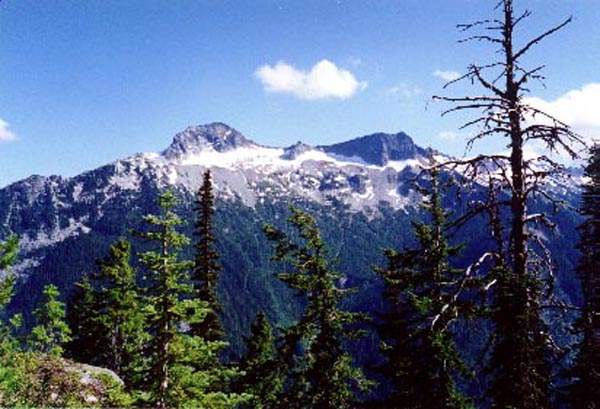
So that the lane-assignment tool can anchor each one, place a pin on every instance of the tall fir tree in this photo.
(422, 292)
(318, 369)
(107, 316)
(51, 331)
(261, 373)
(120, 318)
(585, 390)
(173, 378)
(82, 312)
(206, 263)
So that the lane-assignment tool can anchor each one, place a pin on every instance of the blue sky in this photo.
(83, 82)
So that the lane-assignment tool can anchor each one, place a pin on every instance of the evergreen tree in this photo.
(174, 355)
(259, 366)
(585, 391)
(82, 312)
(319, 371)
(51, 331)
(422, 292)
(518, 366)
(108, 318)
(8, 251)
(8, 256)
(8, 342)
(120, 318)
(206, 263)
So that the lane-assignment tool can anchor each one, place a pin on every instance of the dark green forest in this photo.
(454, 304)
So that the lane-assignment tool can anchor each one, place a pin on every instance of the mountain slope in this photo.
(361, 173)
(361, 191)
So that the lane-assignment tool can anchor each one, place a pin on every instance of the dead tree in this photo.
(520, 373)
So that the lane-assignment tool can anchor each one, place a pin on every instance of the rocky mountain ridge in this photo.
(362, 173)
(361, 190)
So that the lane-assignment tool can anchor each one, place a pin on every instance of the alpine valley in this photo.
(362, 192)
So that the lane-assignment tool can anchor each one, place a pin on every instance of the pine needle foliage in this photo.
(261, 376)
(51, 331)
(318, 370)
(107, 318)
(8, 341)
(82, 312)
(168, 348)
(422, 292)
(8, 256)
(119, 317)
(174, 354)
(8, 251)
(206, 263)
(519, 366)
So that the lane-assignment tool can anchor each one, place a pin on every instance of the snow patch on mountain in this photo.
(77, 189)
(125, 181)
(29, 243)
(271, 159)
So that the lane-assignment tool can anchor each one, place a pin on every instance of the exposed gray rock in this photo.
(196, 138)
(90, 374)
(378, 149)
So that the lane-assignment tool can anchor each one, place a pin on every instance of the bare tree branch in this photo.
(539, 38)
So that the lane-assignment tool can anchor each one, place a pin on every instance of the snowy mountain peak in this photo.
(195, 139)
(378, 149)
(362, 174)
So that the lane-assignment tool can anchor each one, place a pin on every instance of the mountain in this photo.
(361, 173)
(361, 191)
(216, 136)
(378, 149)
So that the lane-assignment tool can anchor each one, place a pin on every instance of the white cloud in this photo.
(5, 133)
(324, 80)
(446, 75)
(448, 135)
(579, 108)
(405, 90)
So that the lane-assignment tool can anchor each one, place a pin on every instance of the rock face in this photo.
(361, 173)
(194, 139)
(296, 150)
(378, 149)
(89, 373)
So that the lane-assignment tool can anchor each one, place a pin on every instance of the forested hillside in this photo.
(371, 273)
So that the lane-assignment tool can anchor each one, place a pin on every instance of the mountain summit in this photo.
(194, 139)
(378, 149)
